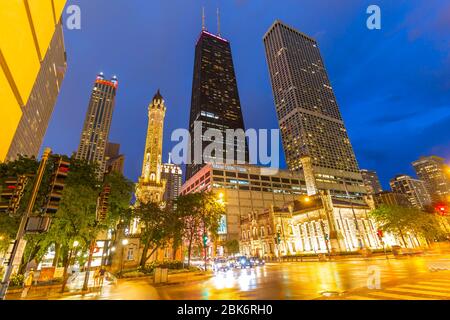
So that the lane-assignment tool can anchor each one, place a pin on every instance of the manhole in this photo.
(331, 293)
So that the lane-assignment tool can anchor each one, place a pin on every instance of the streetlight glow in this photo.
(124, 242)
(75, 244)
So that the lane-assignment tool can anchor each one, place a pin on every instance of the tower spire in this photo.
(203, 19)
(218, 22)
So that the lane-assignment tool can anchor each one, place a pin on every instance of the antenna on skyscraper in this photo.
(218, 22)
(203, 19)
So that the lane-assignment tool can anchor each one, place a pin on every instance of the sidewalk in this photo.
(53, 292)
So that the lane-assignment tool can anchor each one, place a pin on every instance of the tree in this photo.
(154, 229)
(187, 209)
(401, 220)
(232, 246)
(201, 214)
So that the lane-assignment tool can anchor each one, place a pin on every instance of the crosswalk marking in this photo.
(397, 296)
(429, 293)
(416, 286)
(435, 283)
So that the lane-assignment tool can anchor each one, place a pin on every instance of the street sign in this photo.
(39, 224)
(19, 253)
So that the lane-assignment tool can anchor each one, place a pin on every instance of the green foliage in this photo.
(75, 218)
(200, 213)
(232, 246)
(119, 199)
(17, 280)
(400, 220)
(154, 231)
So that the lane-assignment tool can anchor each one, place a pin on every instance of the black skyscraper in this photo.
(215, 99)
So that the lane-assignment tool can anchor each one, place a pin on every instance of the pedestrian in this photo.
(96, 277)
(102, 275)
(27, 283)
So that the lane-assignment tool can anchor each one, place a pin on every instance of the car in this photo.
(244, 262)
(257, 261)
(220, 264)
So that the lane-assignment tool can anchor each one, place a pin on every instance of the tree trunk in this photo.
(57, 254)
(190, 251)
(403, 238)
(144, 255)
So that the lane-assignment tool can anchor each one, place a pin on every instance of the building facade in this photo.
(26, 29)
(245, 188)
(115, 161)
(436, 175)
(97, 123)
(308, 114)
(304, 227)
(215, 102)
(371, 181)
(389, 198)
(414, 189)
(151, 186)
(173, 175)
(37, 112)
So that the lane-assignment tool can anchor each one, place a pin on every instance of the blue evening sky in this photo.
(392, 85)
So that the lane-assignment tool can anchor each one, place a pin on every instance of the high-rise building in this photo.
(151, 186)
(39, 108)
(414, 189)
(436, 174)
(389, 198)
(173, 174)
(371, 181)
(97, 123)
(114, 159)
(244, 188)
(26, 31)
(308, 114)
(215, 100)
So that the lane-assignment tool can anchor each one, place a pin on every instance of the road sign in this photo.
(19, 253)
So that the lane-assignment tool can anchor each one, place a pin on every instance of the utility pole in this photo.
(23, 222)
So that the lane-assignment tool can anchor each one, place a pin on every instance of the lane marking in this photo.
(429, 293)
(397, 296)
(359, 298)
(415, 286)
(436, 283)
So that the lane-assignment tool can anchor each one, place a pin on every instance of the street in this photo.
(405, 278)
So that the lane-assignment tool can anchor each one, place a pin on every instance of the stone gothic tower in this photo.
(150, 187)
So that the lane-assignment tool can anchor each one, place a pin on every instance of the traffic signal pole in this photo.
(23, 223)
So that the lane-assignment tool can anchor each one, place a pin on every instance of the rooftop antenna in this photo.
(203, 19)
(218, 22)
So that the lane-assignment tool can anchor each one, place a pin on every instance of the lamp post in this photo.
(124, 243)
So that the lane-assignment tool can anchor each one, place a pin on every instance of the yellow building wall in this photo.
(26, 29)
(10, 114)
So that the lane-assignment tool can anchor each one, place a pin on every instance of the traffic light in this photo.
(278, 238)
(327, 237)
(57, 184)
(380, 234)
(442, 209)
(12, 193)
(205, 240)
(102, 203)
